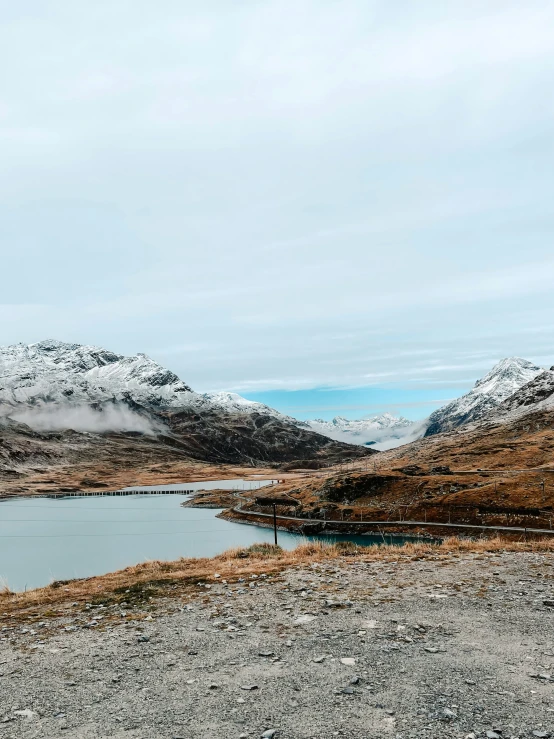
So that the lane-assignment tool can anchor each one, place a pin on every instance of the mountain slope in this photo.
(505, 378)
(538, 394)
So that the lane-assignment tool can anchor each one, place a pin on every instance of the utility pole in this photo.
(275, 522)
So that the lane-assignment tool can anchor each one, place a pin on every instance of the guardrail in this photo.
(428, 524)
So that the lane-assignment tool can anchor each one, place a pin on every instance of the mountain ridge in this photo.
(500, 383)
(56, 397)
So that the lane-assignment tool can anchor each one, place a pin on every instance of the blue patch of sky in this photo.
(359, 402)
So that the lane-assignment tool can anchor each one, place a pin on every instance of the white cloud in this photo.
(280, 194)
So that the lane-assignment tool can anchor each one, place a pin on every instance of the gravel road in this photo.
(460, 646)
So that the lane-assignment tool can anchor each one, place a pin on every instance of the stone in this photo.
(348, 661)
(249, 687)
(431, 650)
(269, 734)
(26, 713)
(492, 735)
(305, 619)
(318, 659)
(541, 734)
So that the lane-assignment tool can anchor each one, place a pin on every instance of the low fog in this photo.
(84, 418)
(383, 439)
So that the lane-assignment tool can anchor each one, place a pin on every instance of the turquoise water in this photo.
(46, 539)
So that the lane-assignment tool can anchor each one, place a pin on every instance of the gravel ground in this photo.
(455, 647)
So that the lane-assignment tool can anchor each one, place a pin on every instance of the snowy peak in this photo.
(368, 431)
(58, 385)
(54, 371)
(505, 379)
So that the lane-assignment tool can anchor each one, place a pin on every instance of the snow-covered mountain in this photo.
(382, 431)
(90, 394)
(52, 384)
(505, 379)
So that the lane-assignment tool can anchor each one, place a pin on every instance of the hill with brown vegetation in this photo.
(493, 474)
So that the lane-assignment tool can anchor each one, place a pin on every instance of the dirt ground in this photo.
(448, 645)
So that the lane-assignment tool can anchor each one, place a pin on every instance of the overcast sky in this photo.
(281, 195)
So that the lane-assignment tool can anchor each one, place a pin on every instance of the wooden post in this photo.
(275, 522)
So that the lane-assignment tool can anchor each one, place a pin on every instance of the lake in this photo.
(46, 539)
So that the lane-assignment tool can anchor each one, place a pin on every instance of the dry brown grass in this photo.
(181, 577)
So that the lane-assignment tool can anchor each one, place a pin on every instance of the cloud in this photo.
(111, 418)
(281, 194)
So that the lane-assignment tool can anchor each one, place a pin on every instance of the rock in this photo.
(26, 713)
(266, 654)
(431, 650)
(493, 735)
(348, 661)
(249, 687)
(269, 734)
(347, 691)
(448, 714)
(318, 659)
(214, 686)
(305, 619)
(541, 734)
(142, 638)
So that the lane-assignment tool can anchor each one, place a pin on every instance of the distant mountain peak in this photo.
(383, 429)
(502, 381)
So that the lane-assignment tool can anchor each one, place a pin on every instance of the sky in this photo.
(344, 206)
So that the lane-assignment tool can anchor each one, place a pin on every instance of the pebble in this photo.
(348, 661)
(249, 687)
(269, 733)
(26, 713)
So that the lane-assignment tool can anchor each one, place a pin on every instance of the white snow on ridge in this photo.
(234, 403)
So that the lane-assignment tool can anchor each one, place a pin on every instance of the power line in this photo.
(93, 520)
(138, 533)
(55, 506)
